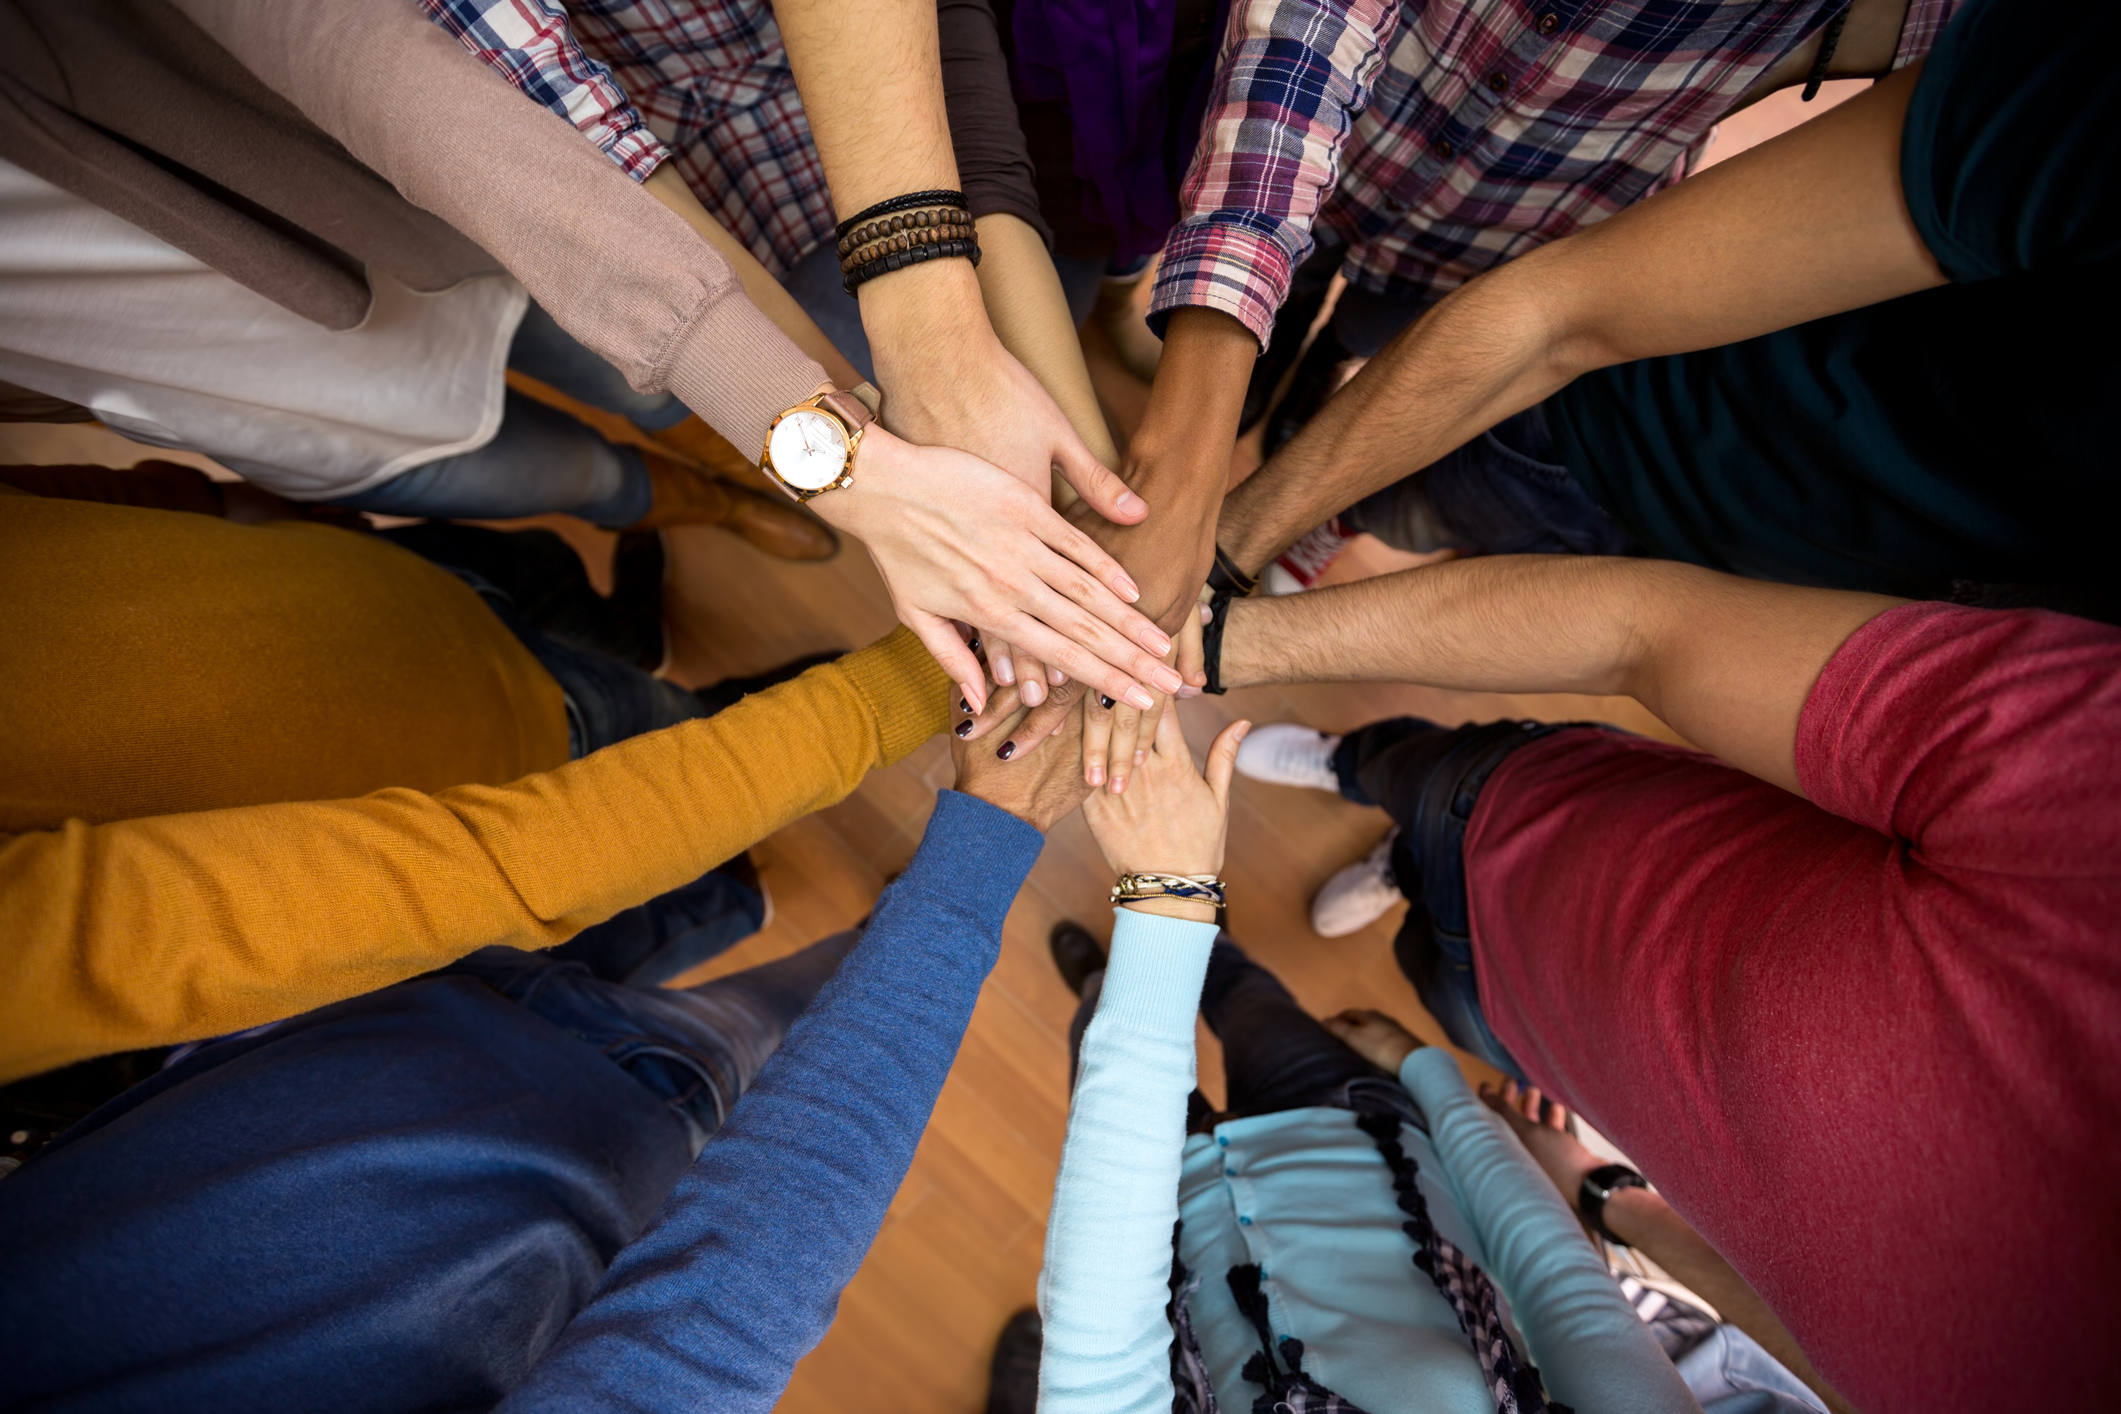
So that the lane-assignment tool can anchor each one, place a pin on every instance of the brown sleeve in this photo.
(992, 160)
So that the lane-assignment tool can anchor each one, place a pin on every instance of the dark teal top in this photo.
(1958, 434)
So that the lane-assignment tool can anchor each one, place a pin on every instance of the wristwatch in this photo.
(1600, 1184)
(810, 448)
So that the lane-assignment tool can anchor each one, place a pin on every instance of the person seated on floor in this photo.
(1847, 357)
(200, 88)
(1345, 1226)
(234, 748)
(1861, 946)
(517, 1181)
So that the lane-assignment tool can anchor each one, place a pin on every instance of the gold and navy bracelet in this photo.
(1196, 888)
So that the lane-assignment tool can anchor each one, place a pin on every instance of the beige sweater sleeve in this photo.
(176, 927)
(619, 271)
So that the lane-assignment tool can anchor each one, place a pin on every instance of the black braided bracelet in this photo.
(1225, 577)
(900, 259)
(1211, 641)
(1827, 44)
(899, 203)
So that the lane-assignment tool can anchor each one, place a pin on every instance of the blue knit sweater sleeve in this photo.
(740, 1274)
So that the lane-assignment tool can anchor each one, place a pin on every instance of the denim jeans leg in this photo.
(557, 359)
(540, 460)
(648, 945)
(817, 285)
(1276, 1056)
(753, 1010)
(607, 700)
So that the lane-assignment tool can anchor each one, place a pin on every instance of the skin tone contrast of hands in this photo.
(1174, 821)
(1039, 793)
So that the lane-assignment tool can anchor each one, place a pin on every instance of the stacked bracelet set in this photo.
(1197, 888)
(906, 230)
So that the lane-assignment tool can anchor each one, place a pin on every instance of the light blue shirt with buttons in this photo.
(1306, 1196)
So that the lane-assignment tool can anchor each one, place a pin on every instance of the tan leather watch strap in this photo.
(851, 409)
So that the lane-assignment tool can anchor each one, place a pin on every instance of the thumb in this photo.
(951, 655)
(1096, 483)
(1222, 760)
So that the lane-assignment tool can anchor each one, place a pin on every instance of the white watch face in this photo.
(809, 449)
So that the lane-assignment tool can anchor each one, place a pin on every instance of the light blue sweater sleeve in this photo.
(1108, 1242)
(1593, 1352)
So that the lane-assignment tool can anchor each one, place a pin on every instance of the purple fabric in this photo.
(1107, 60)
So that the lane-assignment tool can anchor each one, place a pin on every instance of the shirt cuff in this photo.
(1154, 976)
(907, 693)
(637, 151)
(1213, 265)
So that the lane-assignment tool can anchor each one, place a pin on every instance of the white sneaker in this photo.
(1358, 895)
(1286, 754)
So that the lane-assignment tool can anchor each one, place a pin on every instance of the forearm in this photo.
(1029, 312)
(792, 1191)
(1726, 662)
(1104, 1284)
(154, 931)
(760, 287)
(1805, 226)
(1644, 1221)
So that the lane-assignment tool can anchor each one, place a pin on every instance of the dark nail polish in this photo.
(974, 644)
(1008, 750)
(1104, 702)
(963, 705)
(964, 728)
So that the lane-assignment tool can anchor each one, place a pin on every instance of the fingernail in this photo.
(963, 705)
(1164, 677)
(1128, 589)
(1008, 749)
(971, 699)
(1004, 671)
(1095, 775)
(1135, 698)
(964, 728)
(1156, 643)
(1207, 616)
(1127, 503)
(1034, 692)
(1119, 784)
(1140, 756)
(1189, 690)
(1056, 676)
(974, 643)
(1104, 702)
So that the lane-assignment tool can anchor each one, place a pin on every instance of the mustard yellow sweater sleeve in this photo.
(153, 931)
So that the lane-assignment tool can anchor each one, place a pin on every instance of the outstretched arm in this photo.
(1810, 224)
(1727, 662)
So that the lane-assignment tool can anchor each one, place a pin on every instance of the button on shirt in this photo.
(1439, 139)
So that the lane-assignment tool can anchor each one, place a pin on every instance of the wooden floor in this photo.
(960, 1250)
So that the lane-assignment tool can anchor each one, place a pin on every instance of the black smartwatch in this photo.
(1600, 1184)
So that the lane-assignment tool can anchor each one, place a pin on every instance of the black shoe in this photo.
(729, 691)
(636, 631)
(1012, 1384)
(1308, 287)
(1075, 953)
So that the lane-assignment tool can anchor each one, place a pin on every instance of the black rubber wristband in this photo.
(1599, 1185)
(900, 259)
(899, 203)
(1224, 577)
(1211, 640)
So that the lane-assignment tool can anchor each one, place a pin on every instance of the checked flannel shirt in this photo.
(703, 84)
(1438, 138)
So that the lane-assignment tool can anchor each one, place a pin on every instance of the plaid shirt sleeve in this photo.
(1292, 78)
(1919, 32)
(528, 43)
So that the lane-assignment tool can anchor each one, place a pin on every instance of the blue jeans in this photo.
(1428, 779)
(540, 459)
(1504, 493)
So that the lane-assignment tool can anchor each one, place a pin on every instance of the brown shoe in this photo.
(694, 441)
(683, 496)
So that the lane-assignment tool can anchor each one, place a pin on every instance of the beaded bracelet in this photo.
(1198, 888)
(906, 239)
(899, 203)
(886, 227)
(900, 259)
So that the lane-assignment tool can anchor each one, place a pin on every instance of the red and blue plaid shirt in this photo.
(705, 86)
(1439, 138)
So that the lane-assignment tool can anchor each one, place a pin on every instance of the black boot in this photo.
(1317, 379)
(1075, 953)
(1012, 1384)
